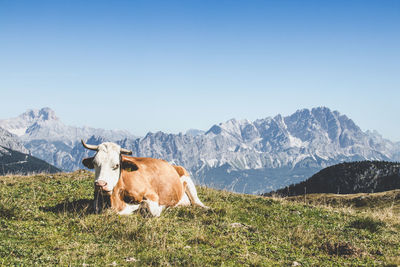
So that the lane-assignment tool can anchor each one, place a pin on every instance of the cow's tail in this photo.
(191, 191)
(189, 187)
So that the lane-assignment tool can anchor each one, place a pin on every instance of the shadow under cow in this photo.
(81, 206)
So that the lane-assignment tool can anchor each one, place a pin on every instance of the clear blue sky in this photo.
(174, 65)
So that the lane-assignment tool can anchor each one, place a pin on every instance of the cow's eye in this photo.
(116, 167)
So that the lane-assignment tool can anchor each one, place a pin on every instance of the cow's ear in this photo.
(128, 165)
(88, 163)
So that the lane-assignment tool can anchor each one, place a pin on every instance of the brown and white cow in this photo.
(150, 184)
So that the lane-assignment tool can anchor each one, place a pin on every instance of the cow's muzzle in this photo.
(100, 183)
(102, 186)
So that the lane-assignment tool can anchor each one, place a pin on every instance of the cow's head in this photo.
(107, 165)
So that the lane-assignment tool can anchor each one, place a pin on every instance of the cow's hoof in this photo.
(144, 209)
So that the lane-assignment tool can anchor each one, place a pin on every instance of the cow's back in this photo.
(181, 171)
(156, 175)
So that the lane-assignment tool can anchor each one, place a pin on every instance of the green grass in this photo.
(47, 220)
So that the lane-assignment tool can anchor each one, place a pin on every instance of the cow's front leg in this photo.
(97, 206)
(150, 207)
(120, 206)
(129, 209)
(100, 201)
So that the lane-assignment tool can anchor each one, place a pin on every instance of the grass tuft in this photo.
(341, 249)
(7, 212)
(367, 223)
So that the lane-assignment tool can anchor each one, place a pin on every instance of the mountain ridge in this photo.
(35, 124)
(244, 156)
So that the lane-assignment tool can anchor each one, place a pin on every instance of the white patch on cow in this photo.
(106, 163)
(148, 207)
(129, 209)
(185, 201)
(192, 192)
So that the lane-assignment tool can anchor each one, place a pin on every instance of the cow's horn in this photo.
(91, 147)
(125, 151)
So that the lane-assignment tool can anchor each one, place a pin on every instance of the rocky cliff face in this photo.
(11, 141)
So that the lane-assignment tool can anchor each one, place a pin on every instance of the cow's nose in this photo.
(100, 183)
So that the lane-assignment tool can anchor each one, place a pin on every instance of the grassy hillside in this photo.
(363, 202)
(46, 220)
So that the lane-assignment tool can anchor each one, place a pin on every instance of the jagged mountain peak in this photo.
(96, 140)
(19, 125)
(322, 109)
(233, 127)
(47, 114)
(44, 114)
(194, 132)
(321, 128)
(43, 124)
(316, 112)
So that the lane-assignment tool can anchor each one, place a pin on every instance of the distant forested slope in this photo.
(349, 178)
(14, 162)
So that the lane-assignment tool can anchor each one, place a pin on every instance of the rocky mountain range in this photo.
(237, 155)
(43, 124)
